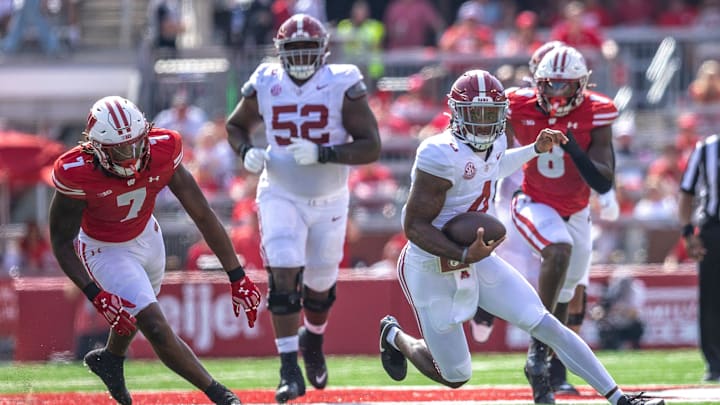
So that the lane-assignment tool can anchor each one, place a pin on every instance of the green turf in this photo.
(628, 368)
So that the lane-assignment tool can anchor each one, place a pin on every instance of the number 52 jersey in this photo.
(312, 111)
(118, 209)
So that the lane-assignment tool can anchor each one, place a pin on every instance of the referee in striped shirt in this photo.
(701, 181)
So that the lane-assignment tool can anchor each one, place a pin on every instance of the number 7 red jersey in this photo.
(118, 208)
(553, 178)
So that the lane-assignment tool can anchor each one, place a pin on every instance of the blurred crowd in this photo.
(407, 108)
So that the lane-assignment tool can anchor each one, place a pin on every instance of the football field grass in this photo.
(666, 369)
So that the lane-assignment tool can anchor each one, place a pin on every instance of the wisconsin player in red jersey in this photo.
(552, 211)
(108, 243)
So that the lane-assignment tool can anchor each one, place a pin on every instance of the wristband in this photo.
(688, 230)
(243, 149)
(236, 274)
(463, 256)
(327, 154)
(91, 291)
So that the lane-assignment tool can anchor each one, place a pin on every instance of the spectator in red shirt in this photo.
(573, 30)
(408, 23)
(636, 12)
(524, 39)
(468, 35)
(677, 13)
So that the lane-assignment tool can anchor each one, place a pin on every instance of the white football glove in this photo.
(255, 160)
(305, 152)
(609, 208)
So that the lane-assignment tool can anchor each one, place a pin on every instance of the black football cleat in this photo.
(537, 372)
(393, 361)
(639, 399)
(109, 368)
(558, 379)
(292, 384)
(226, 397)
(311, 350)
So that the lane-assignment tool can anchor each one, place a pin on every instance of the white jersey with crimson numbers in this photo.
(312, 111)
(473, 174)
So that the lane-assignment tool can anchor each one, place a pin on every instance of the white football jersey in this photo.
(312, 111)
(474, 175)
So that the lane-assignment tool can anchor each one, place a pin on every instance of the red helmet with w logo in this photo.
(479, 106)
(302, 44)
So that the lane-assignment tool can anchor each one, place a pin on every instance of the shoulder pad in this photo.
(356, 91)
(248, 90)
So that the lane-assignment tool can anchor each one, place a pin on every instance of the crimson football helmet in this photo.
(118, 136)
(302, 44)
(540, 52)
(478, 105)
(561, 79)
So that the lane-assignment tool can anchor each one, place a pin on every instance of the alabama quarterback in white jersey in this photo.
(108, 243)
(317, 122)
(454, 172)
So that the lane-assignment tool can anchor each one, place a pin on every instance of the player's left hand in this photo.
(547, 138)
(246, 297)
(304, 151)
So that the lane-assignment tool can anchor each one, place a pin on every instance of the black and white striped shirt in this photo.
(701, 177)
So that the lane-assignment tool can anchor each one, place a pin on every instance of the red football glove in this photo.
(246, 297)
(112, 307)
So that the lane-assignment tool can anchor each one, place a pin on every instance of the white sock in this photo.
(316, 329)
(287, 344)
(391, 337)
(615, 397)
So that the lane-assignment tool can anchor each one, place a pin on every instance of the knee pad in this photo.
(284, 302)
(318, 305)
(577, 318)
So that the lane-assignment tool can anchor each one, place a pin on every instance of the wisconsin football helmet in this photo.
(478, 109)
(540, 52)
(117, 134)
(302, 44)
(561, 79)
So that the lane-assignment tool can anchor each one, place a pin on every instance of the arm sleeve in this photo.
(514, 159)
(585, 166)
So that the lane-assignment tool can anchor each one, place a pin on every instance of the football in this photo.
(462, 228)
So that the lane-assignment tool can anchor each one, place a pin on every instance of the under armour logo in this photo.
(151, 179)
(572, 125)
(131, 182)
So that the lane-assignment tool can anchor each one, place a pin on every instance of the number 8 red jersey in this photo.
(553, 178)
(118, 208)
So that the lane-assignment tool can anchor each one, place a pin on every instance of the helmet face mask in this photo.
(479, 108)
(302, 44)
(118, 136)
(561, 79)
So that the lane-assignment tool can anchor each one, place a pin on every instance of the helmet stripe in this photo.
(113, 116)
(482, 84)
(564, 60)
(124, 117)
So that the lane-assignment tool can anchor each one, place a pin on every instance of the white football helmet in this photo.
(561, 79)
(118, 136)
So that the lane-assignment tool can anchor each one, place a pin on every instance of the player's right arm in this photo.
(240, 124)
(65, 215)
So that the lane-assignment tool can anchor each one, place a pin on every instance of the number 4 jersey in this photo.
(118, 208)
(552, 178)
(311, 111)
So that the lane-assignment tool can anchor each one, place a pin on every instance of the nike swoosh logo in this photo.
(321, 86)
(320, 378)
